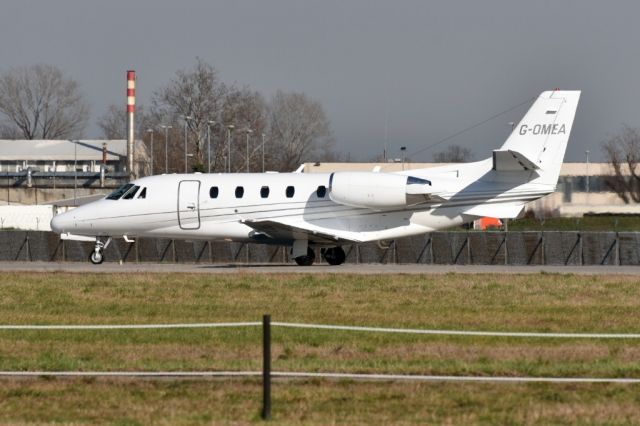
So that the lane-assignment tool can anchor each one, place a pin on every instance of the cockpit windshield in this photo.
(131, 193)
(115, 195)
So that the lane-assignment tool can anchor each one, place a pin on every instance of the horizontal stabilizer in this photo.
(502, 211)
(512, 161)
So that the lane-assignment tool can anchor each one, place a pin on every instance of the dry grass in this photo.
(313, 402)
(545, 302)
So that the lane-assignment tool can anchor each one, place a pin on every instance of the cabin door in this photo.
(189, 204)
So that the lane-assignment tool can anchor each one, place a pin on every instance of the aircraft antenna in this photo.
(473, 126)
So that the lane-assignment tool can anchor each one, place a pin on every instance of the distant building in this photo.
(60, 156)
(581, 187)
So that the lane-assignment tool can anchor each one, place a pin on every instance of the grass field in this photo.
(544, 302)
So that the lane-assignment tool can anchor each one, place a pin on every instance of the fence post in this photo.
(506, 251)
(581, 248)
(27, 246)
(431, 247)
(266, 367)
(468, 249)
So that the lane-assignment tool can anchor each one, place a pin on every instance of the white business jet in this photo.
(328, 210)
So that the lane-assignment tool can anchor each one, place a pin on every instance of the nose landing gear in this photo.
(97, 255)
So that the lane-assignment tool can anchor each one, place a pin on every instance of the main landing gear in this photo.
(308, 259)
(334, 255)
(97, 255)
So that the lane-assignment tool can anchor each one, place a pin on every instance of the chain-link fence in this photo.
(463, 248)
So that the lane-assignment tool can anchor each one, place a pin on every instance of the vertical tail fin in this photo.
(539, 141)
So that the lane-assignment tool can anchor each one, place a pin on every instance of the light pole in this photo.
(152, 156)
(166, 147)
(263, 135)
(249, 131)
(230, 127)
(403, 149)
(75, 172)
(186, 122)
(587, 154)
(209, 124)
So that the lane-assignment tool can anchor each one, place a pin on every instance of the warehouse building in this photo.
(45, 171)
(59, 156)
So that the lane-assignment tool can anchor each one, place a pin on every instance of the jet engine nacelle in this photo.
(372, 190)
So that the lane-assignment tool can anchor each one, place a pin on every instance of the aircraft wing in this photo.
(500, 211)
(281, 230)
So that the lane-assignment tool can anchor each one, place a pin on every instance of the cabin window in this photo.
(321, 191)
(115, 195)
(131, 193)
(143, 193)
(264, 191)
(213, 192)
(239, 191)
(290, 191)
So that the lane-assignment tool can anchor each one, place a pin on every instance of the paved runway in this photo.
(370, 269)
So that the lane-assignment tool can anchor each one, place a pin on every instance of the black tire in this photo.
(335, 256)
(308, 259)
(96, 257)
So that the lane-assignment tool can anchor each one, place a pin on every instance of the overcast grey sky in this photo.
(432, 67)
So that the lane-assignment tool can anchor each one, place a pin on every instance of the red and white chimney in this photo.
(131, 110)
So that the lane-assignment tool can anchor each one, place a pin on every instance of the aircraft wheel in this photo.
(96, 257)
(335, 256)
(308, 259)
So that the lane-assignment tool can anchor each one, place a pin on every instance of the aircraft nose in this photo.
(61, 222)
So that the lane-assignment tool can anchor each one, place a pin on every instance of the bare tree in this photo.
(623, 154)
(113, 122)
(39, 102)
(298, 130)
(453, 154)
(246, 110)
(197, 93)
